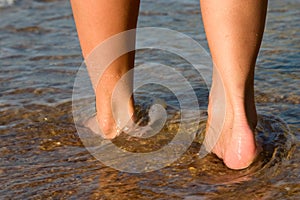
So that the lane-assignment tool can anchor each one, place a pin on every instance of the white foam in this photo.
(5, 3)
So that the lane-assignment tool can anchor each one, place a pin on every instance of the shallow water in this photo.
(43, 157)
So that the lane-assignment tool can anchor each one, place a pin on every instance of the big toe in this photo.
(240, 160)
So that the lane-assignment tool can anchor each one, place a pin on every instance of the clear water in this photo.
(43, 157)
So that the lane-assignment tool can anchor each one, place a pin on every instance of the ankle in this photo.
(243, 111)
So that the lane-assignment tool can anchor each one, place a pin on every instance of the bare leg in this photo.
(97, 20)
(234, 31)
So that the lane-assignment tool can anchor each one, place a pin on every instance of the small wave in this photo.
(6, 3)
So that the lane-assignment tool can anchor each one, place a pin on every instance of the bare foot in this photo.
(94, 126)
(231, 137)
(114, 103)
